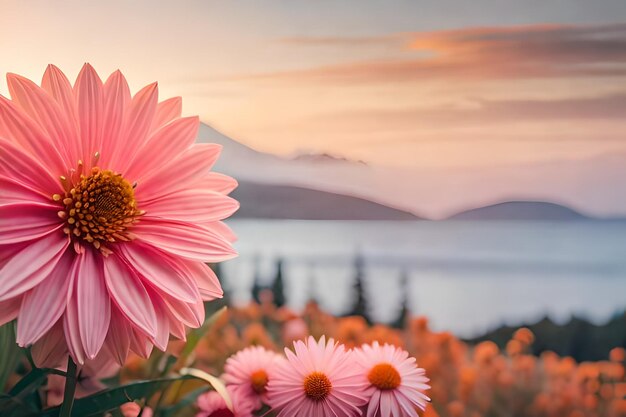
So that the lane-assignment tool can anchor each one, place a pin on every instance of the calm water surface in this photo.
(467, 277)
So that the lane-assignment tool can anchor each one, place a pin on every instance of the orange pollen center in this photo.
(384, 377)
(317, 386)
(258, 380)
(98, 208)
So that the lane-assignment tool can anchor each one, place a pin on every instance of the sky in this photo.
(435, 84)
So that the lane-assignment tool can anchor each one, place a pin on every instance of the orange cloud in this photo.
(517, 52)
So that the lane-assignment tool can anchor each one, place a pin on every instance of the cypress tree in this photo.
(256, 285)
(278, 286)
(359, 307)
(400, 320)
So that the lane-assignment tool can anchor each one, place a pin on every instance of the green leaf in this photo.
(215, 382)
(30, 383)
(110, 399)
(10, 352)
(13, 407)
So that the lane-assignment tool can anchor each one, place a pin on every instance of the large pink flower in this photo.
(108, 214)
(319, 379)
(393, 381)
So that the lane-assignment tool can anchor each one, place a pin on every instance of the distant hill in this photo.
(580, 339)
(433, 192)
(263, 201)
(520, 210)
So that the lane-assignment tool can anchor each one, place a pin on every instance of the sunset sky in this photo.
(412, 84)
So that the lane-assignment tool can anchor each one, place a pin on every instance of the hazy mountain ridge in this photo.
(326, 157)
(288, 202)
(521, 210)
(439, 194)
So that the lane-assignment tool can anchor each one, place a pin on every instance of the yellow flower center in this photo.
(317, 386)
(384, 376)
(258, 380)
(98, 208)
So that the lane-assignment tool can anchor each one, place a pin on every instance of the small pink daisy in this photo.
(211, 404)
(319, 379)
(392, 380)
(249, 371)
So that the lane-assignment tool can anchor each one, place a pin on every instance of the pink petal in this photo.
(32, 265)
(163, 328)
(218, 182)
(191, 314)
(191, 165)
(51, 350)
(374, 404)
(116, 101)
(206, 280)
(118, 339)
(163, 145)
(7, 252)
(71, 321)
(177, 328)
(136, 127)
(129, 294)
(160, 275)
(21, 222)
(60, 131)
(140, 344)
(59, 87)
(223, 230)
(385, 404)
(45, 304)
(90, 100)
(93, 303)
(167, 110)
(15, 163)
(9, 309)
(14, 191)
(183, 239)
(192, 205)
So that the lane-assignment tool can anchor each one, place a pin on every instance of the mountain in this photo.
(437, 192)
(324, 157)
(323, 187)
(288, 202)
(520, 210)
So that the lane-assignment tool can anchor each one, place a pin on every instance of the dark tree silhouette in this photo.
(217, 268)
(360, 307)
(404, 312)
(257, 287)
(278, 286)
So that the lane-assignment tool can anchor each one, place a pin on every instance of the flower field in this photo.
(470, 381)
(465, 380)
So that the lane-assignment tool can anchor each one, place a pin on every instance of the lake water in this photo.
(467, 277)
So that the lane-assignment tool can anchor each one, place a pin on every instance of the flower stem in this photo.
(70, 389)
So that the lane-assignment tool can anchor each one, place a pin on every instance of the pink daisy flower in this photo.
(211, 404)
(248, 372)
(392, 380)
(108, 214)
(319, 379)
